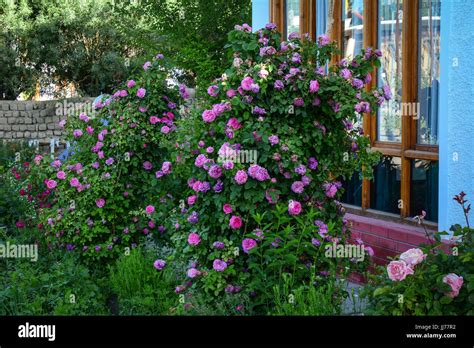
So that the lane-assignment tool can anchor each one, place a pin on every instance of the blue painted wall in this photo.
(260, 13)
(456, 172)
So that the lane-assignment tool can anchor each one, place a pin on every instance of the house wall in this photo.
(456, 142)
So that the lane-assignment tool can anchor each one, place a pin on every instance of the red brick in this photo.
(387, 243)
(402, 247)
(368, 238)
(379, 230)
(397, 235)
(383, 253)
(416, 239)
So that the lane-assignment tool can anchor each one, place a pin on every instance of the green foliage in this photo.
(63, 42)
(425, 292)
(192, 31)
(312, 299)
(57, 284)
(142, 289)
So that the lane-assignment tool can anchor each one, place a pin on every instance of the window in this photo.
(292, 16)
(428, 67)
(353, 23)
(390, 36)
(404, 130)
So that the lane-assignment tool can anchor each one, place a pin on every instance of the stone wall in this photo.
(37, 120)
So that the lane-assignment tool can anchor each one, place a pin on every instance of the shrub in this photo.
(115, 185)
(246, 219)
(428, 280)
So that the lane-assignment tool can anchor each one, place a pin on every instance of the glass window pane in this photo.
(292, 16)
(322, 17)
(352, 190)
(385, 189)
(389, 122)
(353, 24)
(424, 189)
(428, 84)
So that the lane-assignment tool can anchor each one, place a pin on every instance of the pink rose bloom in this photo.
(209, 116)
(213, 91)
(235, 222)
(192, 199)
(159, 264)
(227, 208)
(51, 184)
(77, 133)
(241, 177)
(130, 83)
(193, 273)
(38, 159)
(74, 182)
(313, 86)
(154, 120)
(234, 123)
(141, 93)
(248, 244)
(231, 93)
(146, 66)
(219, 265)
(455, 282)
(89, 130)
(413, 256)
(62, 123)
(61, 175)
(194, 239)
(294, 207)
(147, 165)
(398, 270)
(247, 83)
(149, 209)
(100, 202)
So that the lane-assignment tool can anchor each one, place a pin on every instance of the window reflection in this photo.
(424, 189)
(390, 42)
(353, 24)
(428, 84)
(292, 16)
(385, 190)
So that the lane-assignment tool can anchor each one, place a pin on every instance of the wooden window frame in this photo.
(408, 149)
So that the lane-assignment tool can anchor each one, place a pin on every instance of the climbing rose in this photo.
(294, 207)
(227, 208)
(413, 256)
(455, 282)
(193, 273)
(150, 209)
(194, 239)
(241, 177)
(398, 270)
(235, 222)
(208, 116)
(248, 244)
(159, 264)
(247, 83)
(141, 93)
(313, 86)
(100, 202)
(219, 265)
(51, 184)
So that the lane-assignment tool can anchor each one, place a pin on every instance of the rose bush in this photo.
(271, 140)
(428, 280)
(116, 184)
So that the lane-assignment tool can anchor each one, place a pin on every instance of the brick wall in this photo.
(36, 120)
(385, 237)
